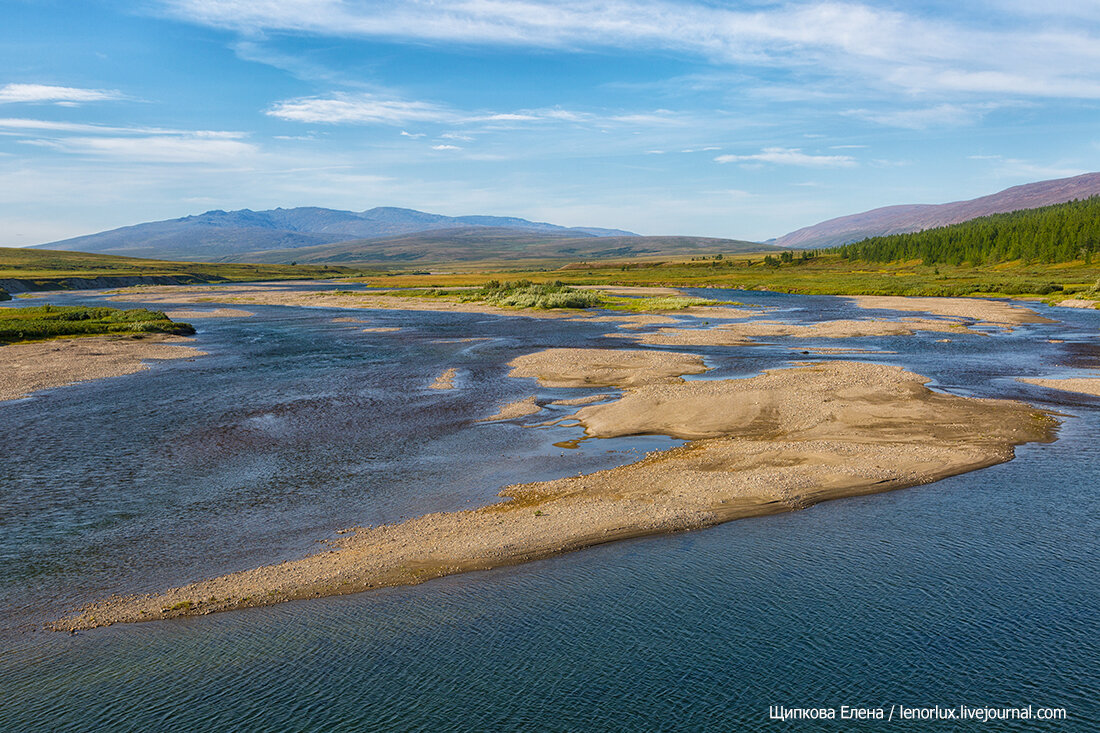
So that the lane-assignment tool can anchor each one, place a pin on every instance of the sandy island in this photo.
(187, 315)
(985, 312)
(1078, 303)
(445, 380)
(513, 410)
(27, 368)
(574, 401)
(1081, 385)
(171, 294)
(829, 350)
(351, 299)
(604, 367)
(741, 334)
(777, 442)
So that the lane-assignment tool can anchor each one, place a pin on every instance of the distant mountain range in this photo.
(916, 217)
(468, 244)
(218, 235)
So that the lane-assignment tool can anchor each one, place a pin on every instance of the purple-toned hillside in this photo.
(915, 217)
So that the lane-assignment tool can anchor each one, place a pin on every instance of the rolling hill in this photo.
(24, 269)
(215, 235)
(917, 217)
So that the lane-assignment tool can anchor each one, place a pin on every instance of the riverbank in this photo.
(780, 441)
(30, 367)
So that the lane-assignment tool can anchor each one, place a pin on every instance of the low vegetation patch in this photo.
(663, 303)
(527, 294)
(51, 321)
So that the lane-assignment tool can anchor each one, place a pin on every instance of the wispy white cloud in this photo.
(363, 108)
(148, 144)
(940, 115)
(509, 117)
(47, 94)
(371, 108)
(905, 50)
(790, 156)
(22, 123)
(446, 147)
(1016, 168)
(192, 148)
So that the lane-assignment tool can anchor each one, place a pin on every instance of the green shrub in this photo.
(50, 321)
(526, 294)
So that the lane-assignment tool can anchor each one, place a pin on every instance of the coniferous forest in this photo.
(1058, 233)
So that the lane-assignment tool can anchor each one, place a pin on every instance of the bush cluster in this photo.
(526, 294)
(50, 321)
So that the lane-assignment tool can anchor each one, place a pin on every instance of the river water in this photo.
(982, 589)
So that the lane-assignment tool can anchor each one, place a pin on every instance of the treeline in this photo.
(1058, 233)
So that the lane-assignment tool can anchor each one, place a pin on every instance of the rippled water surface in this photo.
(981, 589)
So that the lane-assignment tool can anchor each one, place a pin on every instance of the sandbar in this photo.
(325, 299)
(782, 441)
(187, 315)
(738, 334)
(604, 367)
(573, 401)
(1078, 303)
(382, 329)
(838, 350)
(513, 410)
(28, 368)
(720, 312)
(446, 380)
(1081, 385)
(636, 320)
(986, 312)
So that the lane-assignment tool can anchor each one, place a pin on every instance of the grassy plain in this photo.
(548, 295)
(43, 264)
(825, 274)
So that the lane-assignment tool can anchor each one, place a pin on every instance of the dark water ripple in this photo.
(981, 589)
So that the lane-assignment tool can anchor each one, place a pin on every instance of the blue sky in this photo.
(731, 119)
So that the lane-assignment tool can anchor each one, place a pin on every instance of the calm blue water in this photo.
(982, 589)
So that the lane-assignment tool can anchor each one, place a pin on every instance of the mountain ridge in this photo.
(217, 233)
(905, 218)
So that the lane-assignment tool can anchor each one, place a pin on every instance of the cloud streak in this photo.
(368, 108)
(362, 108)
(885, 47)
(159, 149)
(46, 94)
(790, 156)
